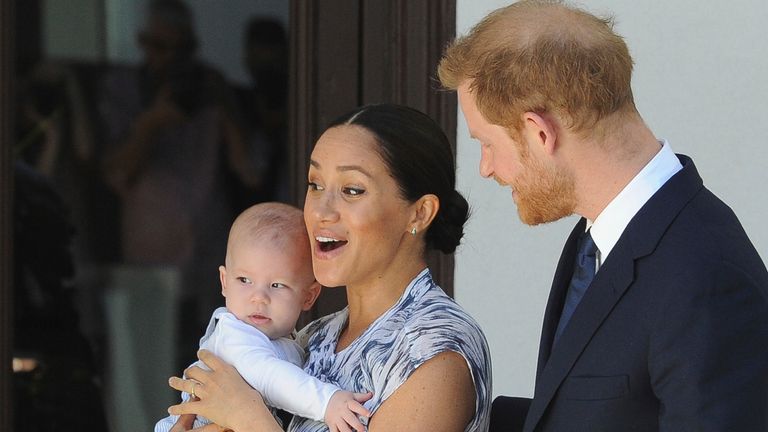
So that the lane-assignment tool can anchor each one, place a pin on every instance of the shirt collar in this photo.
(612, 221)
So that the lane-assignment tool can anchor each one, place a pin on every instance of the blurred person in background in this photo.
(263, 111)
(169, 126)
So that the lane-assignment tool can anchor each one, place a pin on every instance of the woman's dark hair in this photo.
(420, 159)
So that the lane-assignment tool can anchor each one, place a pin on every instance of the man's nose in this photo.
(486, 169)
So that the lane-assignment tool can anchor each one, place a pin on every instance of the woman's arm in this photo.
(225, 398)
(438, 396)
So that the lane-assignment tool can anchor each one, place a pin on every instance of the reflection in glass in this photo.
(142, 129)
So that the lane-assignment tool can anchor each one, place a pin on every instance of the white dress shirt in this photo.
(612, 221)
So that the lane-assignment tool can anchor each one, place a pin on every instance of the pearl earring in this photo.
(413, 231)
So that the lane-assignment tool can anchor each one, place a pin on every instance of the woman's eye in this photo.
(244, 280)
(277, 285)
(352, 191)
(314, 186)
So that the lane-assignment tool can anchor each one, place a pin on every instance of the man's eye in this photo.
(277, 285)
(351, 191)
(314, 186)
(244, 280)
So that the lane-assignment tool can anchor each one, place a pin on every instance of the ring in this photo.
(193, 389)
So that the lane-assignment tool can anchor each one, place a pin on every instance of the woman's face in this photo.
(354, 212)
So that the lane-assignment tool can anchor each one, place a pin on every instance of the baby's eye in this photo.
(353, 191)
(277, 285)
(244, 280)
(314, 186)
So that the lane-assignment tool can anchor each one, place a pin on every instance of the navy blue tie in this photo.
(583, 273)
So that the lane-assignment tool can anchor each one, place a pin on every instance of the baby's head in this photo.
(267, 277)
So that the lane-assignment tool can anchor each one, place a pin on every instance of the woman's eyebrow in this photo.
(358, 168)
(342, 168)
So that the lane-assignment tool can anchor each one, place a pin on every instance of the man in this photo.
(170, 143)
(658, 314)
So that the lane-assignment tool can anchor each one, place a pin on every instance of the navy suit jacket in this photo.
(672, 334)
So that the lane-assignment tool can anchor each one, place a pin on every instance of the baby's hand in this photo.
(343, 409)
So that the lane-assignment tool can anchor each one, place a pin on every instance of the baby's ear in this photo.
(223, 280)
(311, 294)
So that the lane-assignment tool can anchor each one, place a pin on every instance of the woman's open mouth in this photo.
(327, 244)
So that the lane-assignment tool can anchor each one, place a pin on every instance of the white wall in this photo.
(701, 81)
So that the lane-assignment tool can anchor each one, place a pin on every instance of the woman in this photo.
(381, 193)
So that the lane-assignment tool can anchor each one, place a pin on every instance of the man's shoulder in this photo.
(706, 224)
(702, 244)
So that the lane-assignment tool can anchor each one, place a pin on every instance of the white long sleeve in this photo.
(267, 367)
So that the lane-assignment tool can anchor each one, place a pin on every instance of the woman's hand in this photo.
(224, 398)
(184, 423)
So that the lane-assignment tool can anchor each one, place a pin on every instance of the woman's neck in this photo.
(371, 299)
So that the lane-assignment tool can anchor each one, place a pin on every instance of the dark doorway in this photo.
(349, 53)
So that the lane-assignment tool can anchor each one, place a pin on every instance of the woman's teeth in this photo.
(329, 244)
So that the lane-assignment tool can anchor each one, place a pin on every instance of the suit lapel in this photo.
(614, 277)
(606, 289)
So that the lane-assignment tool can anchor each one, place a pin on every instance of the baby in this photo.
(267, 280)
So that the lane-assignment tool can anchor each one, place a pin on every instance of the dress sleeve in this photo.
(282, 384)
(445, 329)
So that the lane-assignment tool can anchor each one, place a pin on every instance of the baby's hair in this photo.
(273, 223)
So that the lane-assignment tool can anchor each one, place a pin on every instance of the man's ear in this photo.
(541, 129)
(311, 295)
(223, 280)
(424, 212)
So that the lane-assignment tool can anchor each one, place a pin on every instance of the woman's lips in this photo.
(328, 251)
(328, 247)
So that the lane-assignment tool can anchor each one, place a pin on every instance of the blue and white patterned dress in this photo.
(423, 323)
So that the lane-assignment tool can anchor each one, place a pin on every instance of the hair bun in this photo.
(447, 229)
